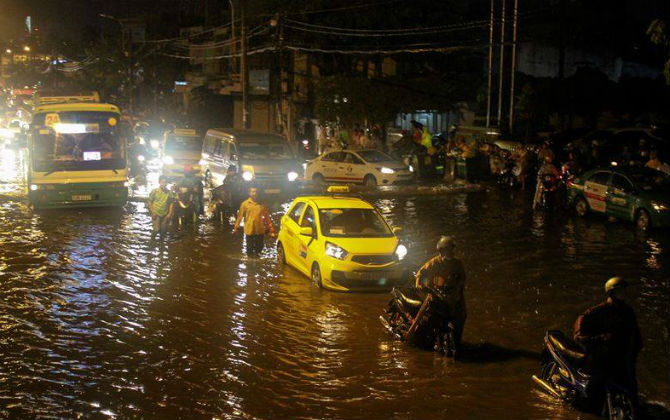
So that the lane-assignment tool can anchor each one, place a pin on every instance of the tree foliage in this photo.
(658, 33)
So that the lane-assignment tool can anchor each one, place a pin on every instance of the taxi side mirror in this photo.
(397, 230)
(306, 231)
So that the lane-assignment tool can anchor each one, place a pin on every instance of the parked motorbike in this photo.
(563, 377)
(224, 203)
(421, 318)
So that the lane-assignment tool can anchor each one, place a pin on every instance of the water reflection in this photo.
(95, 323)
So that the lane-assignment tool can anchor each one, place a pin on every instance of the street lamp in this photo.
(26, 48)
(8, 51)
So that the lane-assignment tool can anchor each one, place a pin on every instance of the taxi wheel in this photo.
(281, 256)
(581, 207)
(316, 275)
(642, 220)
(370, 181)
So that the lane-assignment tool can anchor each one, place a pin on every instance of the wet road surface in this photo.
(96, 324)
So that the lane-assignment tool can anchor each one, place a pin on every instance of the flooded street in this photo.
(97, 324)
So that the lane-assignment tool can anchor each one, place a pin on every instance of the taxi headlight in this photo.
(401, 252)
(386, 170)
(247, 175)
(292, 176)
(659, 206)
(335, 251)
(168, 160)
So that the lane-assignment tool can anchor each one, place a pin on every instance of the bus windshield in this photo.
(78, 141)
(183, 144)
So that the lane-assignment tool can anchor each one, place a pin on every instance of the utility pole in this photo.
(490, 69)
(513, 69)
(276, 22)
(233, 45)
(502, 62)
(244, 70)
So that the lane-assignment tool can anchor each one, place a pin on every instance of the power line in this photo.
(387, 35)
(386, 31)
(338, 9)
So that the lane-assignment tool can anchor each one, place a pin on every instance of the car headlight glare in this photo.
(335, 251)
(34, 187)
(292, 176)
(247, 176)
(155, 144)
(141, 158)
(168, 160)
(411, 168)
(401, 252)
(386, 170)
(659, 206)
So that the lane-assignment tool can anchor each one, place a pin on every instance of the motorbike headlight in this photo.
(34, 187)
(141, 158)
(386, 170)
(168, 160)
(411, 168)
(401, 252)
(155, 144)
(126, 184)
(335, 251)
(659, 206)
(247, 176)
(292, 176)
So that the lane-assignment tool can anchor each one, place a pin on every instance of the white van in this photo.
(265, 160)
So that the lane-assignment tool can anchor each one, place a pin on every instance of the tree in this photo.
(658, 33)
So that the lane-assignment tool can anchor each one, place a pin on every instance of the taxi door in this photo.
(291, 228)
(619, 197)
(307, 244)
(595, 191)
(353, 167)
(330, 166)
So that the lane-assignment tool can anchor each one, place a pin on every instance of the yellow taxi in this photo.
(341, 242)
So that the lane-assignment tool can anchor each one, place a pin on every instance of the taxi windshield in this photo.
(78, 140)
(353, 223)
(652, 180)
(374, 156)
(183, 143)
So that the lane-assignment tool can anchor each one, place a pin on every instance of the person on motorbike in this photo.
(548, 168)
(610, 334)
(445, 273)
(232, 188)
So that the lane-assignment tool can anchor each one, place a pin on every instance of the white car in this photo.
(368, 167)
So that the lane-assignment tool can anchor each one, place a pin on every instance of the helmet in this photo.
(615, 283)
(444, 242)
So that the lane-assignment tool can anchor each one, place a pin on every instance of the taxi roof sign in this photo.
(185, 132)
(338, 189)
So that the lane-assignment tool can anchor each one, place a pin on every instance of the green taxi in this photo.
(640, 195)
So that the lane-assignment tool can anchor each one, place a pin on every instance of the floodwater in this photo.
(97, 324)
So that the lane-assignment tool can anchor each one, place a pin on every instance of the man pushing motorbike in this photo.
(445, 273)
(611, 337)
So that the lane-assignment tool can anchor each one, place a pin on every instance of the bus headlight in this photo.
(168, 160)
(401, 252)
(247, 176)
(292, 176)
(34, 187)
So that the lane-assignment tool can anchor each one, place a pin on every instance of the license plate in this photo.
(86, 197)
(272, 191)
(374, 275)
